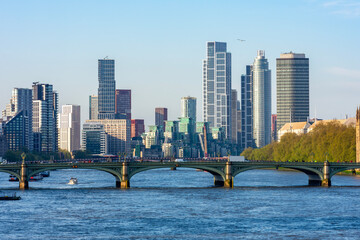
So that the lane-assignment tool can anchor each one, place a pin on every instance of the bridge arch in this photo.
(315, 175)
(11, 173)
(219, 176)
(113, 172)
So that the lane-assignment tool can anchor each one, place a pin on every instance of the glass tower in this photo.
(188, 107)
(292, 86)
(247, 109)
(217, 87)
(106, 90)
(261, 100)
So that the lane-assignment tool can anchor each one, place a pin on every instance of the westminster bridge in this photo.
(224, 171)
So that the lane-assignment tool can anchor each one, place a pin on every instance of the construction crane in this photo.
(205, 142)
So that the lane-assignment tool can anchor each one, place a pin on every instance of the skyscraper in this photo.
(217, 87)
(188, 107)
(247, 109)
(106, 90)
(69, 131)
(137, 127)
(93, 107)
(123, 103)
(20, 107)
(45, 108)
(292, 86)
(261, 100)
(234, 116)
(161, 115)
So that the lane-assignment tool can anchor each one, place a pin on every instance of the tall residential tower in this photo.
(188, 107)
(217, 87)
(69, 130)
(261, 100)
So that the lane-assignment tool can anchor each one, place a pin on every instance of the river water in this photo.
(181, 204)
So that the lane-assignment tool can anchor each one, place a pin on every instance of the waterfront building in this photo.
(161, 115)
(69, 131)
(234, 126)
(273, 127)
(292, 86)
(15, 131)
(137, 127)
(261, 100)
(106, 90)
(188, 107)
(45, 110)
(247, 139)
(357, 129)
(21, 101)
(171, 131)
(94, 138)
(93, 107)
(187, 130)
(217, 87)
(123, 103)
(118, 132)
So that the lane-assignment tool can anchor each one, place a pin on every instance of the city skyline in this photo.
(334, 74)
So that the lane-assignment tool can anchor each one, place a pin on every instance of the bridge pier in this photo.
(229, 180)
(326, 182)
(125, 182)
(218, 180)
(23, 181)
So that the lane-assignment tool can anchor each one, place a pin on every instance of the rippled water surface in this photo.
(181, 204)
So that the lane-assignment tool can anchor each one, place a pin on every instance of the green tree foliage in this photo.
(332, 141)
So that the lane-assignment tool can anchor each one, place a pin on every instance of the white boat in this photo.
(73, 181)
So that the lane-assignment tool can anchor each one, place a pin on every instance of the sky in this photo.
(158, 47)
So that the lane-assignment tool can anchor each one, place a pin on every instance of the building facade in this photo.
(123, 103)
(188, 107)
(234, 116)
(261, 100)
(118, 135)
(217, 87)
(21, 101)
(45, 110)
(247, 139)
(106, 90)
(93, 107)
(274, 127)
(161, 115)
(292, 86)
(94, 138)
(137, 127)
(69, 131)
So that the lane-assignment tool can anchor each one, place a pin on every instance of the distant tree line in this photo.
(332, 141)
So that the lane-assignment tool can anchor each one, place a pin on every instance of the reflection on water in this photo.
(183, 204)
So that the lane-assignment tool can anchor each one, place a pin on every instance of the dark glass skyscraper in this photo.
(123, 103)
(247, 139)
(292, 86)
(106, 90)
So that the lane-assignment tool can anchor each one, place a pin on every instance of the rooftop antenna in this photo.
(241, 40)
(106, 57)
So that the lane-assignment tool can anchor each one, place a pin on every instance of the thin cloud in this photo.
(346, 73)
(349, 8)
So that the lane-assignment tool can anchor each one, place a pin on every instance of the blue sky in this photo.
(158, 47)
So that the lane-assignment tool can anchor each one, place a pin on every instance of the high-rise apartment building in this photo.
(161, 115)
(45, 110)
(93, 107)
(106, 90)
(19, 108)
(188, 107)
(234, 116)
(123, 103)
(69, 131)
(247, 109)
(292, 86)
(261, 100)
(217, 87)
(137, 127)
